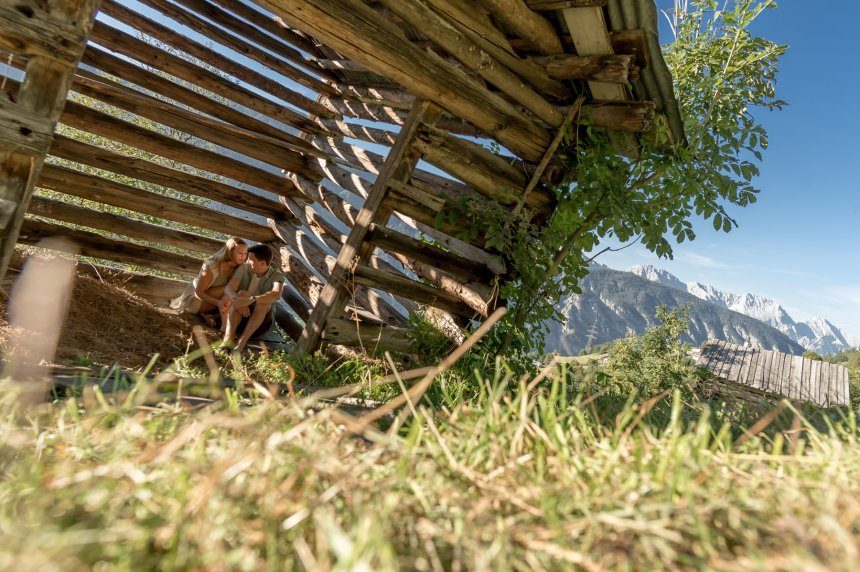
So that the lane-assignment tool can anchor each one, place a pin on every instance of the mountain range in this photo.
(817, 334)
(614, 304)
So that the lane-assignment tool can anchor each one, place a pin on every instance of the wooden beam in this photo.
(609, 69)
(369, 337)
(328, 235)
(248, 143)
(487, 37)
(391, 96)
(323, 263)
(127, 45)
(71, 182)
(241, 46)
(31, 30)
(122, 225)
(43, 93)
(252, 32)
(417, 207)
(523, 22)
(288, 322)
(98, 246)
(23, 131)
(398, 166)
(417, 291)
(474, 58)
(92, 121)
(392, 115)
(590, 36)
(272, 24)
(633, 116)
(140, 169)
(391, 240)
(355, 30)
(153, 82)
(549, 5)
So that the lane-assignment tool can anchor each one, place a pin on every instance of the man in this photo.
(253, 292)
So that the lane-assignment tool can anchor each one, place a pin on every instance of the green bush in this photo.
(654, 361)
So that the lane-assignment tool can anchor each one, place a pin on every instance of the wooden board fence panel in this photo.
(793, 377)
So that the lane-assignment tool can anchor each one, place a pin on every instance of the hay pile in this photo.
(107, 324)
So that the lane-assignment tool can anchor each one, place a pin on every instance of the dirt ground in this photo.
(107, 324)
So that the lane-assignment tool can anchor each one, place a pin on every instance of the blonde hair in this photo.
(226, 251)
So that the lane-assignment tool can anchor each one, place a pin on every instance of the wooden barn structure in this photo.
(795, 377)
(301, 124)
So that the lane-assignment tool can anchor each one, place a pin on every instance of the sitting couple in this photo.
(242, 285)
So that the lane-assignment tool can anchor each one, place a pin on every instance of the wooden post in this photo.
(42, 94)
(398, 166)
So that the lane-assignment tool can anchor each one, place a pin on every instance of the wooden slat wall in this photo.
(274, 119)
(794, 377)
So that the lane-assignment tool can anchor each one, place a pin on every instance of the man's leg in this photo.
(258, 316)
(231, 322)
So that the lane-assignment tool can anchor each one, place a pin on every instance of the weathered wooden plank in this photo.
(134, 74)
(754, 368)
(140, 169)
(98, 246)
(354, 29)
(838, 385)
(768, 374)
(725, 363)
(616, 68)
(743, 373)
(370, 337)
(796, 381)
(29, 30)
(127, 45)
(814, 381)
(23, 131)
(71, 182)
(42, 93)
(254, 33)
(588, 30)
(562, 4)
(398, 166)
(122, 225)
(255, 145)
(92, 121)
(417, 291)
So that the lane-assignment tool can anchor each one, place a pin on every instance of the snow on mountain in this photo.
(817, 334)
(654, 274)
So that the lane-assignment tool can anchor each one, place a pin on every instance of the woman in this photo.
(205, 294)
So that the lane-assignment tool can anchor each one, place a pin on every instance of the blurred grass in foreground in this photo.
(512, 479)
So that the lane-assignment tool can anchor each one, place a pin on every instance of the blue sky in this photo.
(798, 244)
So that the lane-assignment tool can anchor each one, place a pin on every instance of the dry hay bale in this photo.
(108, 324)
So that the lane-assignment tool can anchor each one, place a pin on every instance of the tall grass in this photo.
(541, 477)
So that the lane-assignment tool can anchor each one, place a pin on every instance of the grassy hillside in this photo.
(491, 471)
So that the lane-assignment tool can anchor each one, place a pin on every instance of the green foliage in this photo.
(809, 354)
(654, 361)
(851, 360)
(722, 74)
